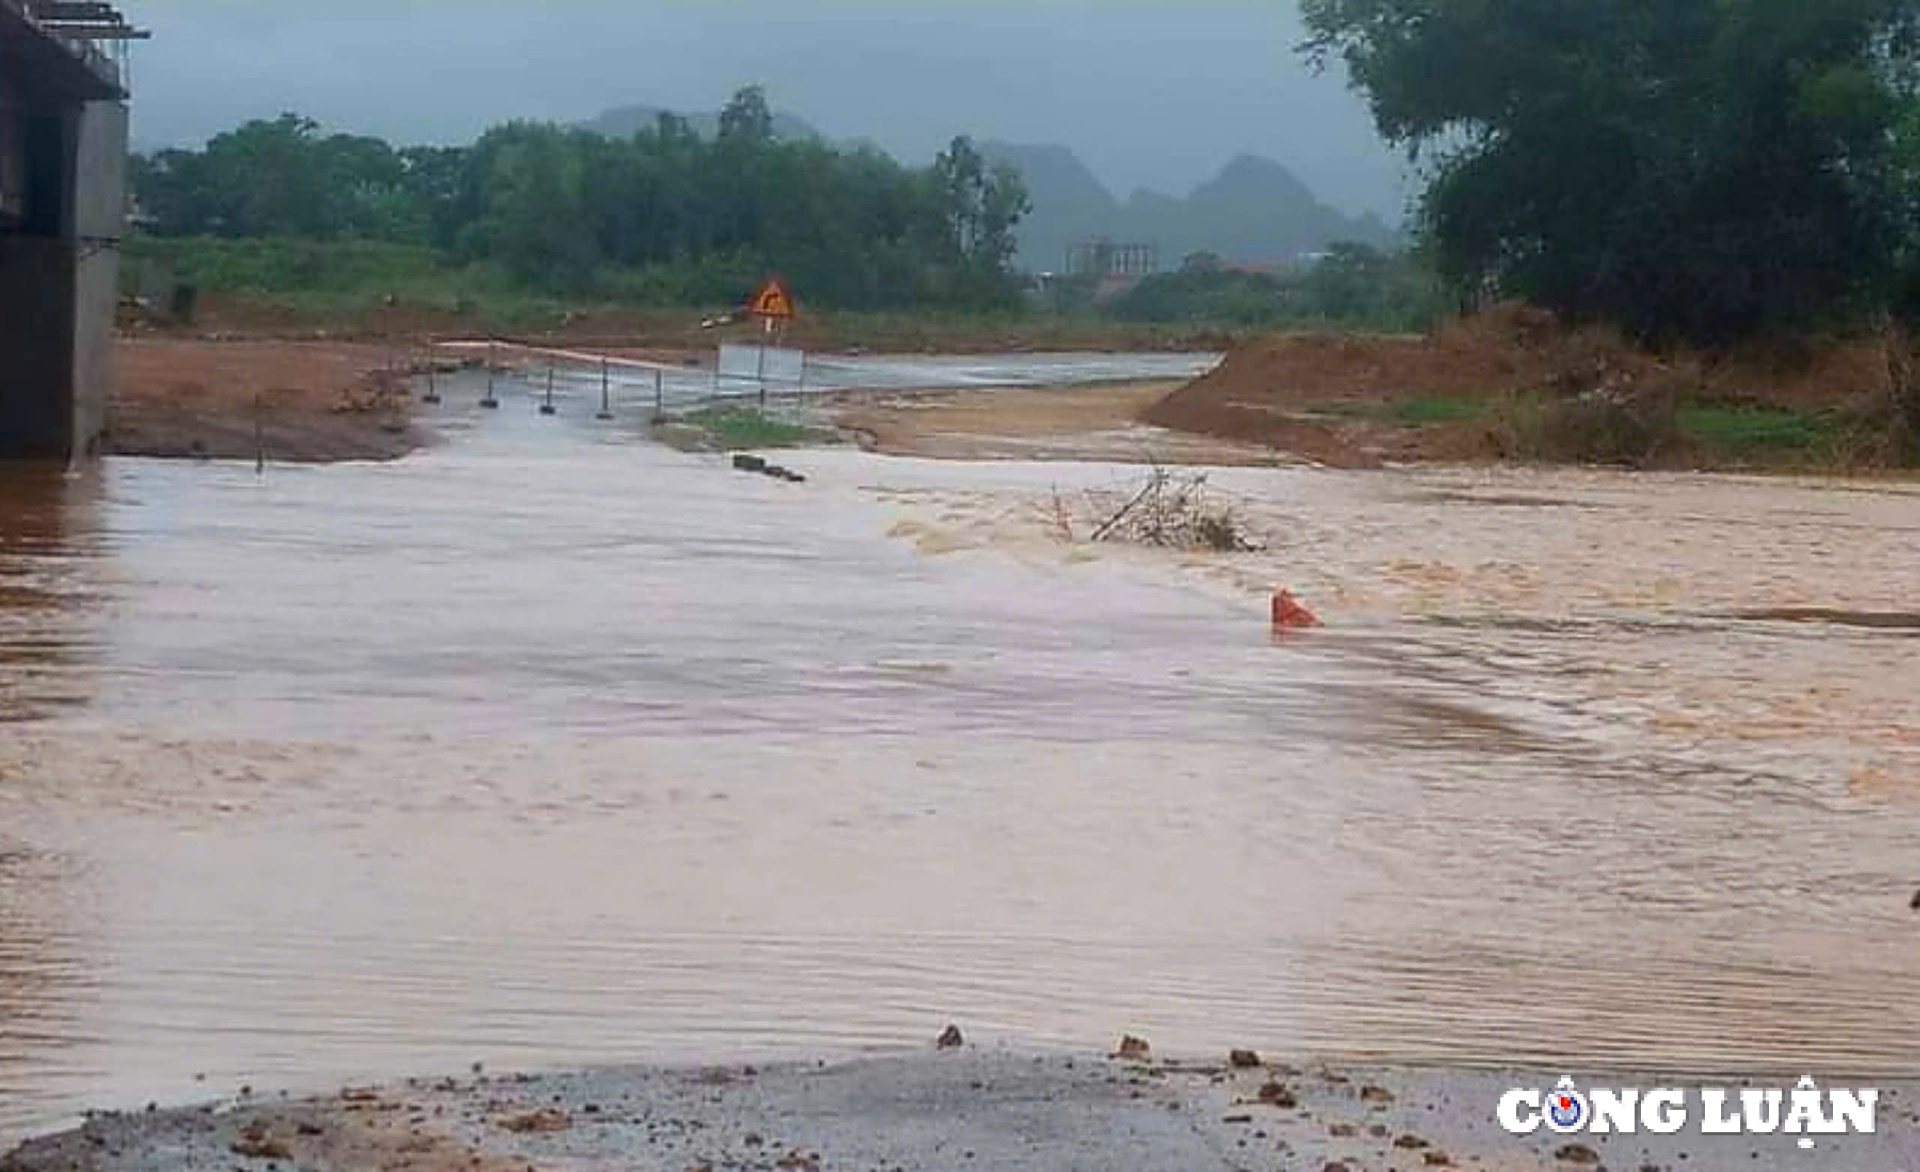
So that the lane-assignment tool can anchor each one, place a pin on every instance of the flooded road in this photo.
(554, 747)
(633, 383)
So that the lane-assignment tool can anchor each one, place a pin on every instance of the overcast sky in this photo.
(1150, 93)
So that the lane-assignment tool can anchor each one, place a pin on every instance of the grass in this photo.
(1435, 409)
(488, 306)
(1345, 409)
(1759, 431)
(348, 286)
(1423, 411)
(732, 428)
(368, 288)
(1658, 432)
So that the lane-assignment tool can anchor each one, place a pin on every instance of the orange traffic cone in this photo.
(1289, 615)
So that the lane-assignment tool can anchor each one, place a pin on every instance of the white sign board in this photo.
(758, 366)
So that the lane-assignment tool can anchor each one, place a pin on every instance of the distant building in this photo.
(1098, 256)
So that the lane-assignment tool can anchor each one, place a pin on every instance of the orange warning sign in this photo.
(772, 300)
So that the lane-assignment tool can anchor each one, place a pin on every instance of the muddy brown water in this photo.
(552, 747)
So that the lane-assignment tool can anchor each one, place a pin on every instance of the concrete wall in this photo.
(13, 163)
(59, 267)
(100, 220)
(36, 336)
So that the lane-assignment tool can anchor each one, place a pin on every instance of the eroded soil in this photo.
(288, 401)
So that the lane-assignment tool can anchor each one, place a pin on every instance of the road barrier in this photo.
(758, 370)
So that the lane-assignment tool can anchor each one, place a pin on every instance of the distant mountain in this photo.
(1255, 211)
(627, 121)
(1069, 203)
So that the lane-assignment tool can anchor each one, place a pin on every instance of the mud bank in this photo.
(956, 1110)
(291, 401)
(1514, 384)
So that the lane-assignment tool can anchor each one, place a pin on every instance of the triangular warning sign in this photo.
(772, 300)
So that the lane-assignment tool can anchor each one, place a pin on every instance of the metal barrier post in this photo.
(490, 402)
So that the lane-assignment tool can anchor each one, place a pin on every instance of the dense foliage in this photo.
(665, 217)
(1701, 170)
(1351, 285)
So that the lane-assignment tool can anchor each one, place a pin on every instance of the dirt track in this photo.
(300, 401)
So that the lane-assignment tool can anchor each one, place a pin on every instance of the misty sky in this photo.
(1149, 93)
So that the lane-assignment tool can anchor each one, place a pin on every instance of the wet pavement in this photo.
(552, 747)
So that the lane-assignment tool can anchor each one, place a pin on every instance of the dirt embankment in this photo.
(292, 401)
(1515, 384)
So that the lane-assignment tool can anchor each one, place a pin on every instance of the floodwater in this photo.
(554, 747)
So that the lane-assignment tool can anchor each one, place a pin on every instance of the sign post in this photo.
(773, 307)
(773, 303)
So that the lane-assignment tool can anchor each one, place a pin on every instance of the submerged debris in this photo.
(545, 1119)
(1277, 1094)
(255, 1144)
(1133, 1049)
(750, 463)
(1166, 510)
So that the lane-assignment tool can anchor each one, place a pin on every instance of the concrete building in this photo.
(63, 210)
(1101, 257)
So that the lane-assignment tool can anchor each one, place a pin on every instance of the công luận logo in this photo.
(1804, 1112)
(1566, 1108)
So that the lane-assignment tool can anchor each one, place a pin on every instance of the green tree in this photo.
(533, 220)
(1350, 283)
(272, 174)
(1691, 169)
(980, 206)
(746, 117)
(442, 185)
(662, 216)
